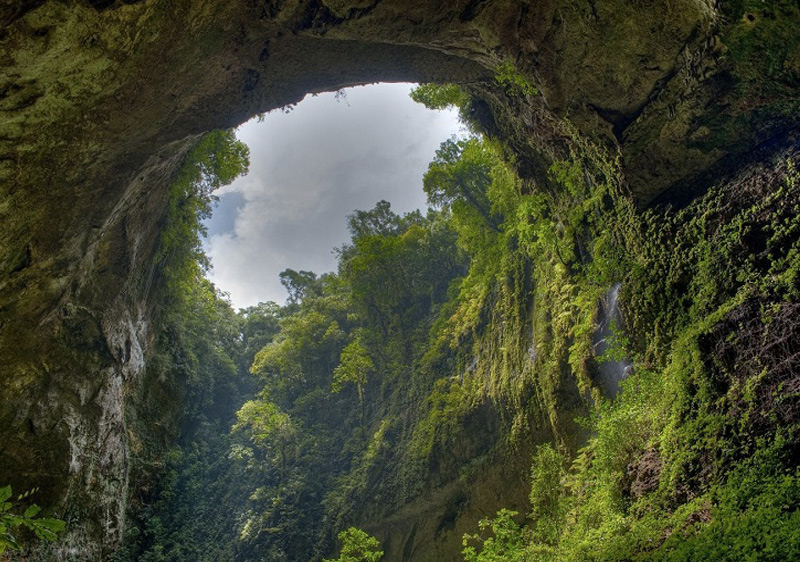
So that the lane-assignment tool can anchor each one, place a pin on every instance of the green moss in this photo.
(667, 474)
(761, 77)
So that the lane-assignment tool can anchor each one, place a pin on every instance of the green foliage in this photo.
(358, 546)
(189, 510)
(506, 544)
(354, 367)
(440, 96)
(309, 342)
(549, 503)
(513, 81)
(447, 405)
(756, 514)
(397, 269)
(443, 96)
(380, 221)
(299, 284)
(694, 459)
(461, 175)
(264, 422)
(368, 375)
(335, 380)
(42, 527)
(260, 324)
(472, 182)
(215, 160)
(195, 381)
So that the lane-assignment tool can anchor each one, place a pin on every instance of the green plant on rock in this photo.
(549, 503)
(44, 528)
(445, 96)
(216, 159)
(358, 546)
(440, 96)
(514, 82)
(506, 543)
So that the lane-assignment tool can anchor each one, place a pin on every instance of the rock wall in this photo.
(99, 98)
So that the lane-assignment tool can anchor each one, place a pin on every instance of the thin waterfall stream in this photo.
(611, 369)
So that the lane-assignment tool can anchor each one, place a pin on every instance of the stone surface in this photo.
(99, 99)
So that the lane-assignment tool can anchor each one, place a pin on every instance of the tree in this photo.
(264, 421)
(462, 171)
(301, 356)
(354, 367)
(444, 96)
(398, 268)
(358, 546)
(217, 160)
(507, 543)
(267, 426)
(259, 325)
(380, 221)
(299, 284)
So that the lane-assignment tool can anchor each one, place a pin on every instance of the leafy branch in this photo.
(44, 528)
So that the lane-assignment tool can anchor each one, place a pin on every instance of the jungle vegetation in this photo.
(301, 422)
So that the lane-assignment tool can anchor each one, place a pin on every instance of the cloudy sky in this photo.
(309, 169)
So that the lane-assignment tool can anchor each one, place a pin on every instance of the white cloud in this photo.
(309, 169)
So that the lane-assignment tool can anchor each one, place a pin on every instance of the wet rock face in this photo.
(611, 368)
(98, 100)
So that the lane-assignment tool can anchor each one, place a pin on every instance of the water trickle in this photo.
(612, 370)
(532, 346)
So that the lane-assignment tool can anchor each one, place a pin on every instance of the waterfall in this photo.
(611, 371)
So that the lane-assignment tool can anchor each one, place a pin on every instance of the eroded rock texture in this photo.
(99, 99)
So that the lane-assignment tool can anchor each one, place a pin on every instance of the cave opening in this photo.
(99, 101)
(311, 165)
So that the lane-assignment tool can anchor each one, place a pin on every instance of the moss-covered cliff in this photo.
(99, 102)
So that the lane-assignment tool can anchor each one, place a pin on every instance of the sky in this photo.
(309, 169)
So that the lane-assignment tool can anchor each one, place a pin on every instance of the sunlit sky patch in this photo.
(309, 169)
